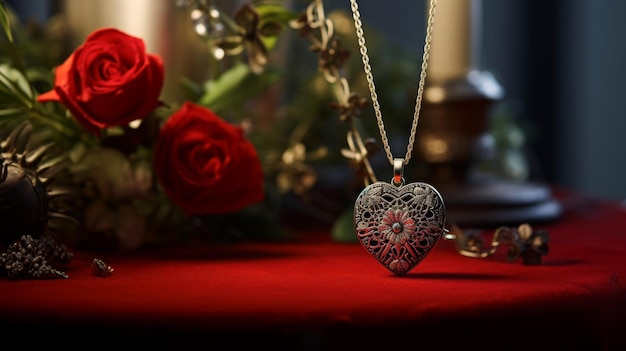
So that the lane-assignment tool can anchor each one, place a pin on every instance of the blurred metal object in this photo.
(319, 30)
(523, 241)
(457, 123)
(31, 201)
(453, 136)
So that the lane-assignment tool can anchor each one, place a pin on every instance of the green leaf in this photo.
(14, 84)
(191, 90)
(270, 41)
(11, 111)
(235, 86)
(343, 228)
(4, 21)
(275, 13)
(40, 74)
(273, 21)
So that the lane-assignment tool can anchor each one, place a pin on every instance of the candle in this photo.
(454, 45)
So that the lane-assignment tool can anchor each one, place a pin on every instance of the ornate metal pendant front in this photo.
(399, 225)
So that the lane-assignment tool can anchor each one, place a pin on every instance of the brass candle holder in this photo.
(453, 136)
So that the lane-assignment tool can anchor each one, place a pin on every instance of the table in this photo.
(311, 292)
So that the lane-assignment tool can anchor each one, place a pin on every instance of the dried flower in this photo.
(32, 258)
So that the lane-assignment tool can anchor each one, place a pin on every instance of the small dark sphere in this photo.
(23, 203)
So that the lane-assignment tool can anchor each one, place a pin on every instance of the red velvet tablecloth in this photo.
(315, 293)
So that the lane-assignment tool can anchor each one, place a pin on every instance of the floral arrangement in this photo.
(129, 169)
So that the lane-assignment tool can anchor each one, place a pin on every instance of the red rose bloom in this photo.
(109, 80)
(205, 165)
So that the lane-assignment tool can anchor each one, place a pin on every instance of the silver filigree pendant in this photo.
(399, 224)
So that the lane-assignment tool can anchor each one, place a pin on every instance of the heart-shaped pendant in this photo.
(399, 225)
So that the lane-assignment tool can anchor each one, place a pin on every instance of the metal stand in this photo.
(453, 135)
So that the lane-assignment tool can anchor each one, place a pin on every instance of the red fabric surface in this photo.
(313, 291)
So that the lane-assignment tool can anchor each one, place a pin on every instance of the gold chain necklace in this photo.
(398, 224)
(356, 15)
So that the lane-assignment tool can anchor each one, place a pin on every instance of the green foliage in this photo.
(112, 172)
(273, 21)
(343, 228)
(235, 86)
(4, 21)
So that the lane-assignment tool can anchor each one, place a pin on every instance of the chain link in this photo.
(356, 15)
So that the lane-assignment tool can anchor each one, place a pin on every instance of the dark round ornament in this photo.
(23, 203)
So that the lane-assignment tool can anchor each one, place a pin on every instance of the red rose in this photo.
(205, 165)
(109, 80)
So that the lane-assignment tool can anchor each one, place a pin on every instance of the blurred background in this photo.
(560, 63)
